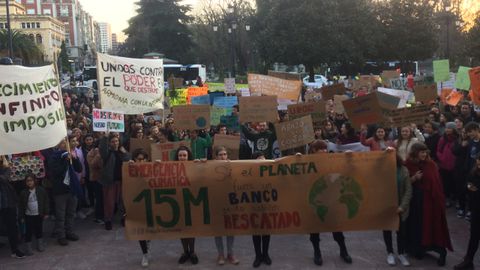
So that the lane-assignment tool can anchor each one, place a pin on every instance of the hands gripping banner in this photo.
(31, 113)
(129, 85)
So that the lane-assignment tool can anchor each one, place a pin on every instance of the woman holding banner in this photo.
(188, 244)
(221, 154)
(316, 147)
(427, 223)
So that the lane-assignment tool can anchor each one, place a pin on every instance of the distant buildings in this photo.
(60, 20)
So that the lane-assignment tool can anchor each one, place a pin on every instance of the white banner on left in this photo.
(31, 113)
(130, 85)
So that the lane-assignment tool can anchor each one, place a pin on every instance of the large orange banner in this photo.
(292, 195)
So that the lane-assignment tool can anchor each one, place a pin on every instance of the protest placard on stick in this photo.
(129, 85)
(191, 116)
(272, 86)
(315, 109)
(406, 116)
(426, 93)
(106, 120)
(295, 133)
(258, 109)
(232, 143)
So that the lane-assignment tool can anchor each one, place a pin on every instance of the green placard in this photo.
(463, 79)
(441, 70)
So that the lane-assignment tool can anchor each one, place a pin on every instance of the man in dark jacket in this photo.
(64, 181)
(8, 207)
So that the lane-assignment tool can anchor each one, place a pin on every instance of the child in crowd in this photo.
(34, 207)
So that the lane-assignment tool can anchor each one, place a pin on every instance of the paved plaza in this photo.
(101, 249)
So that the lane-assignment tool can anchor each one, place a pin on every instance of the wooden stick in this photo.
(61, 102)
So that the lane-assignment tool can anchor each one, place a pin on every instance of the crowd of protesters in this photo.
(438, 166)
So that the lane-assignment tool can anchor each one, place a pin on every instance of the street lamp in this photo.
(9, 29)
(232, 20)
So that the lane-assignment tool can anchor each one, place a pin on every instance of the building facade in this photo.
(105, 37)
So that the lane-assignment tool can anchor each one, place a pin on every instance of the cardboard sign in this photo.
(271, 86)
(166, 151)
(315, 109)
(230, 86)
(144, 144)
(231, 121)
(107, 121)
(387, 102)
(32, 116)
(225, 102)
(232, 143)
(444, 94)
(295, 133)
(180, 97)
(292, 195)
(258, 109)
(216, 114)
(426, 93)
(285, 75)
(474, 75)
(402, 94)
(454, 98)
(312, 96)
(364, 110)
(331, 90)
(130, 85)
(191, 117)
(441, 70)
(338, 103)
(174, 83)
(388, 75)
(200, 100)
(406, 116)
(463, 79)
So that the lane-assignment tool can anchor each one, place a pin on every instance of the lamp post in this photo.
(9, 30)
(231, 30)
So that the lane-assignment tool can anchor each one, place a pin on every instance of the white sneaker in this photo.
(391, 259)
(145, 260)
(403, 260)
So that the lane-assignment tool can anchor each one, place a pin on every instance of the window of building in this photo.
(38, 25)
(64, 11)
(23, 25)
(39, 39)
(30, 1)
(47, 12)
(28, 25)
(1, 26)
(32, 38)
(31, 11)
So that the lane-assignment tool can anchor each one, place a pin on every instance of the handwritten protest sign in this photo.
(295, 133)
(426, 93)
(195, 92)
(388, 75)
(130, 85)
(192, 116)
(31, 113)
(474, 75)
(338, 103)
(387, 102)
(216, 113)
(315, 109)
(406, 116)
(231, 121)
(285, 75)
(177, 97)
(225, 102)
(258, 109)
(230, 86)
(454, 98)
(244, 92)
(364, 110)
(166, 151)
(402, 94)
(331, 90)
(144, 144)
(271, 86)
(441, 70)
(463, 79)
(232, 143)
(312, 96)
(106, 120)
(174, 83)
(444, 94)
(200, 100)
(354, 192)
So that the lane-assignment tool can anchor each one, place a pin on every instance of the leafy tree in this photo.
(473, 42)
(63, 59)
(23, 47)
(160, 26)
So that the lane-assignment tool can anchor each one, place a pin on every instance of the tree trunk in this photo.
(311, 72)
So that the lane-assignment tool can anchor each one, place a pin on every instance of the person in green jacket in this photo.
(199, 145)
(404, 187)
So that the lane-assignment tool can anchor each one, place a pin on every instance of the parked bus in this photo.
(187, 72)
(89, 77)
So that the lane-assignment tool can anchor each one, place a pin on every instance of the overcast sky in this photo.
(115, 12)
